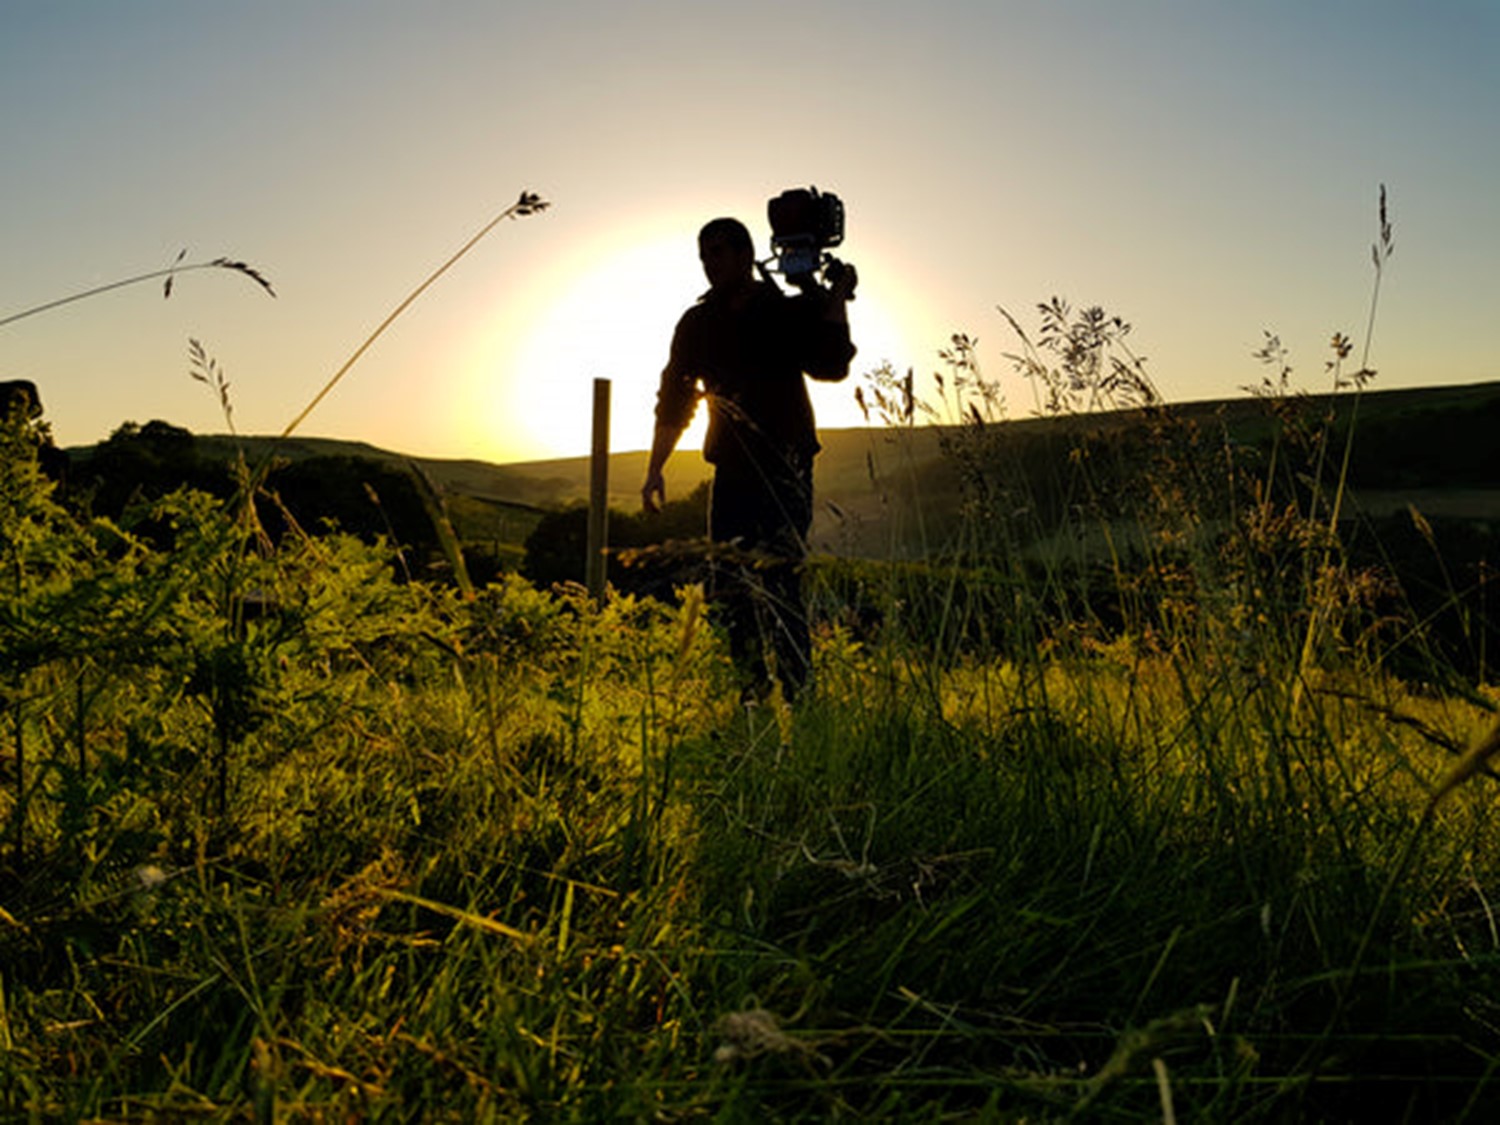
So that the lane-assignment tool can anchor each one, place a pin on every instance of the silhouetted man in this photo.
(747, 345)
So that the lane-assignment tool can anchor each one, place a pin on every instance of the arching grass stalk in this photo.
(528, 204)
(170, 273)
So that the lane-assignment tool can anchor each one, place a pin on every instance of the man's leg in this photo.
(769, 514)
(790, 638)
(731, 522)
(789, 518)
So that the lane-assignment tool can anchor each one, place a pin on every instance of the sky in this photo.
(1207, 169)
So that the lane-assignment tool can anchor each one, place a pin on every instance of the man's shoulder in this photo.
(711, 314)
(694, 321)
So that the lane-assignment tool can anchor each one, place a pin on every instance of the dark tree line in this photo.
(137, 464)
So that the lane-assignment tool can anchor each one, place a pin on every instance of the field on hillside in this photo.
(1198, 829)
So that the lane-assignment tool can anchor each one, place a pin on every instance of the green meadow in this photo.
(1138, 784)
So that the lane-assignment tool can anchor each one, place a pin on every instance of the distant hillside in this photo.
(528, 484)
(885, 492)
(898, 493)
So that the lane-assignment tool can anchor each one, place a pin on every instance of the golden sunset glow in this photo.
(1152, 181)
(613, 318)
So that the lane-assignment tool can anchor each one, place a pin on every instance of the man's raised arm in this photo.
(831, 350)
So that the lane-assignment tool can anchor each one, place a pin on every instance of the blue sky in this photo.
(1207, 170)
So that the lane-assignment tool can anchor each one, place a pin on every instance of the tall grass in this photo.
(1070, 829)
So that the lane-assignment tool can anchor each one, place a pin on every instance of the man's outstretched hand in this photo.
(654, 491)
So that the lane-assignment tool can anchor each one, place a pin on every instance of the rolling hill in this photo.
(895, 493)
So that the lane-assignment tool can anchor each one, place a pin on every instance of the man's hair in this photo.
(731, 231)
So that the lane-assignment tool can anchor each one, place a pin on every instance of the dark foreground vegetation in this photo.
(292, 831)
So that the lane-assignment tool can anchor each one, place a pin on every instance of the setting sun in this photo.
(613, 318)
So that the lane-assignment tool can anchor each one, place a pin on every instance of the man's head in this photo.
(727, 253)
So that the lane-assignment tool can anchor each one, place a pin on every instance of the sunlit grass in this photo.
(518, 855)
